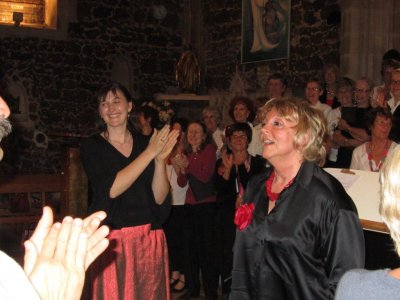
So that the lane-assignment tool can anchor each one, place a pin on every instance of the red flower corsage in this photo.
(244, 215)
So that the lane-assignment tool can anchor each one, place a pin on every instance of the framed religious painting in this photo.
(265, 30)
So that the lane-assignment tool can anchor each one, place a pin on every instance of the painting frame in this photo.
(265, 30)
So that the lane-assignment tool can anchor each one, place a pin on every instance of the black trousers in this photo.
(225, 234)
(199, 245)
(174, 232)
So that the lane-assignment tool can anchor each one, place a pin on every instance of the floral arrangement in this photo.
(166, 111)
(244, 215)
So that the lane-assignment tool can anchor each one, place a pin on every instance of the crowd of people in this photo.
(247, 206)
(275, 222)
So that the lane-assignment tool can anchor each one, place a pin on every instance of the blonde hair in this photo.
(310, 126)
(389, 207)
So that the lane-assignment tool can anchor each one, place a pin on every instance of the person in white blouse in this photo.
(175, 224)
(241, 110)
(212, 120)
(312, 93)
(345, 98)
(382, 93)
(371, 155)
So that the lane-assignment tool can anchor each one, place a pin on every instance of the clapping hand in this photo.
(57, 255)
(380, 99)
(180, 162)
(169, 142)
(227, 159)
(162, 142)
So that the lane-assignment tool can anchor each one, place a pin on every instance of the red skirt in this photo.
(134, 266)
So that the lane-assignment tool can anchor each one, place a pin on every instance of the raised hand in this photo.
(57, 255)
(169, 144)
(59, 268)
(96, 237)
(158, 140)
(380, 99)
(181, 161)
(227, 159)
(97, 241)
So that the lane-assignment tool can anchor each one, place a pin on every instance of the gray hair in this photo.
(213, 110)
(5, 127)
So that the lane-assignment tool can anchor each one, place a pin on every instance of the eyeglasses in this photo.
(396, 82)
(361, 91)
(237, 137)
(315, 89)
(383, 123)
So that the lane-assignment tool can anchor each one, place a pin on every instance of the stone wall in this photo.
(58, 77)
(314, 39)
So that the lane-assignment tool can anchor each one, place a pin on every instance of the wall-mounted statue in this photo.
(187, 71)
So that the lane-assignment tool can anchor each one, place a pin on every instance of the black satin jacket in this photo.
(303, 246)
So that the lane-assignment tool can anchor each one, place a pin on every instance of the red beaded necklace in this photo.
(268, 186)
(382, 160)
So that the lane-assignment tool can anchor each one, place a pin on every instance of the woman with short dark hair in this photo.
(234, 170)
(241, 110)
(371, 155)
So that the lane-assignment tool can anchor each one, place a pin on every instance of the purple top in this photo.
(202, 166)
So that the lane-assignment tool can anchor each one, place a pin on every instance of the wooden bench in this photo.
(23, 196)
(26, 194)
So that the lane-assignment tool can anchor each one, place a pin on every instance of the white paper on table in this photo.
(363, 187)
(346, 179)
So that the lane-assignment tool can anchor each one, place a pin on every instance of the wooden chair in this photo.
(23, 196)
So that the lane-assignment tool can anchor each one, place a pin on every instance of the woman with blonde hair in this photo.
(380, 284)
(298, 229)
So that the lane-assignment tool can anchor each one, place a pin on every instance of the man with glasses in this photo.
(381, 93)
(212, 120)
(362, 92)
(362, 96)
(313, 92)
(393, 104)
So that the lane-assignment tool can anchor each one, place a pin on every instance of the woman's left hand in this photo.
(168, 142)
(91, 226)
(57, 254)
(162, 142)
